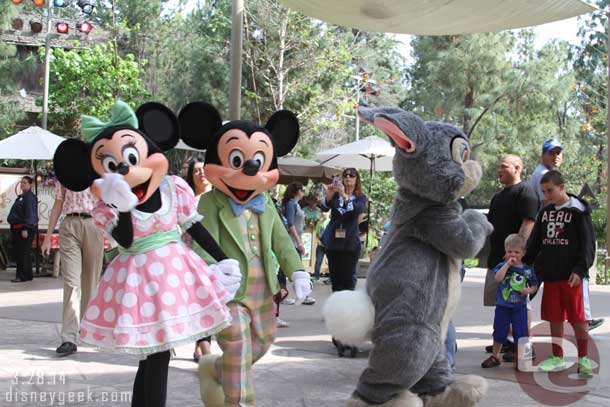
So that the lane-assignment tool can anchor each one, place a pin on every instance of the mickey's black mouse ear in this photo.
(199, 122)
(159, 124)
(72, 165)
(284, 126)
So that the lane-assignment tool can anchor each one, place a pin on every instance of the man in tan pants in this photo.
(81, 250)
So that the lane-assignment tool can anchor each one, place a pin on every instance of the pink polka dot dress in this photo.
(155, 300)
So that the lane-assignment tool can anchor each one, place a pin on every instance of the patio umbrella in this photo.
(33, 143)
(301, 169)
(371, 153)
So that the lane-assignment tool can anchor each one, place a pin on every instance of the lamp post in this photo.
(47, 64)
(363, 81)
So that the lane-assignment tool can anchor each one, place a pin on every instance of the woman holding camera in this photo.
(347, 203)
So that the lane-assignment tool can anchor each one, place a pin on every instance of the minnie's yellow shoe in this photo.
(211, 391)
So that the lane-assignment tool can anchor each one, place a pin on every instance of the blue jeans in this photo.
(320, 252)
(451, 340)
(451, 344)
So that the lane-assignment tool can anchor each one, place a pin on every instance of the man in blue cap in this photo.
(550, 159)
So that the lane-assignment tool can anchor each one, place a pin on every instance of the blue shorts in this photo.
(505, 316)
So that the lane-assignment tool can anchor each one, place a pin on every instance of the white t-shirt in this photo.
(535, 181)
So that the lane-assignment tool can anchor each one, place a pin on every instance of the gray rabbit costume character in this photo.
(414, 283)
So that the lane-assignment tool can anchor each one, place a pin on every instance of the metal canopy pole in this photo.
(608, 140)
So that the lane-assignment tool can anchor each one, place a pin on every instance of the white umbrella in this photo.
(182, 146)
(371, 153)
(297, 167)
(439, 17)
(33, 143)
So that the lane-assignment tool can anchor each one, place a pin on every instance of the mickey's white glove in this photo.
(227, 271)
(115, 192)
(302, 284)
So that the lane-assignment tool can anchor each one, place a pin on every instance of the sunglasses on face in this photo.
(349, 175)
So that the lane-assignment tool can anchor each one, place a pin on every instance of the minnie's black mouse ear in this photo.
(159, 124)
(284, 126)
(199, 122)
(72, 165)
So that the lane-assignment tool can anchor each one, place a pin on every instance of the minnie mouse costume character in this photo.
(157, 293)
(241, 163)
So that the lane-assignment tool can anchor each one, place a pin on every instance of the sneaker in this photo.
(327, 281)
(491, 361)
(553, 363)
(282, 324)
(595, 323)
(288, 301)
(584, 367)
(309, 301)
(66, 348)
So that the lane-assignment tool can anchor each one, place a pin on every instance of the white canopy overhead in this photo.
(370, 153)
(33, 143)
(439, 17)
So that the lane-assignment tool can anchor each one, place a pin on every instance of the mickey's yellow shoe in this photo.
(211, 391)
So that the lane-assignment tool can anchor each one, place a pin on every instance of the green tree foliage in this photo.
(89, 81)
(380, 189)
(506, 95)
(10, 66)
(591, 86)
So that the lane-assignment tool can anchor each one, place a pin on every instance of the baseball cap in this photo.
(551, 144)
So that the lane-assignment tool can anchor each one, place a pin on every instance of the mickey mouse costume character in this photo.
(157, 293)
(241, 163)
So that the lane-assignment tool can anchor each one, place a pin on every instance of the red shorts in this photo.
(560, 302)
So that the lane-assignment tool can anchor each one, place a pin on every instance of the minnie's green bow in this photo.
(120, 115)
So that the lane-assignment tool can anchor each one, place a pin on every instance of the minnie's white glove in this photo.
(302, 284)
(115, 192)
(227, 271)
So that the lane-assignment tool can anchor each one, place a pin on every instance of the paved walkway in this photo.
(301, 369)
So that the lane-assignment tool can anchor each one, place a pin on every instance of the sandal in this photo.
(491, 361)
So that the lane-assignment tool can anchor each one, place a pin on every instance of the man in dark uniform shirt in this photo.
(23, 219)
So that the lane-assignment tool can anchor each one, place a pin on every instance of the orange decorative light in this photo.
(17, 1)
(39, 3)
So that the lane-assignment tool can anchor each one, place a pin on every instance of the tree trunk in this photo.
(600, 169)
(468, 102)
(280, 68)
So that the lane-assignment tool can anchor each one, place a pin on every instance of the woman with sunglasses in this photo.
(347, 203)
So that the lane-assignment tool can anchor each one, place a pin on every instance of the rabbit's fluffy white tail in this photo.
(349, 316)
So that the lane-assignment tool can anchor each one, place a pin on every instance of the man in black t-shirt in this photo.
(512, 210)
